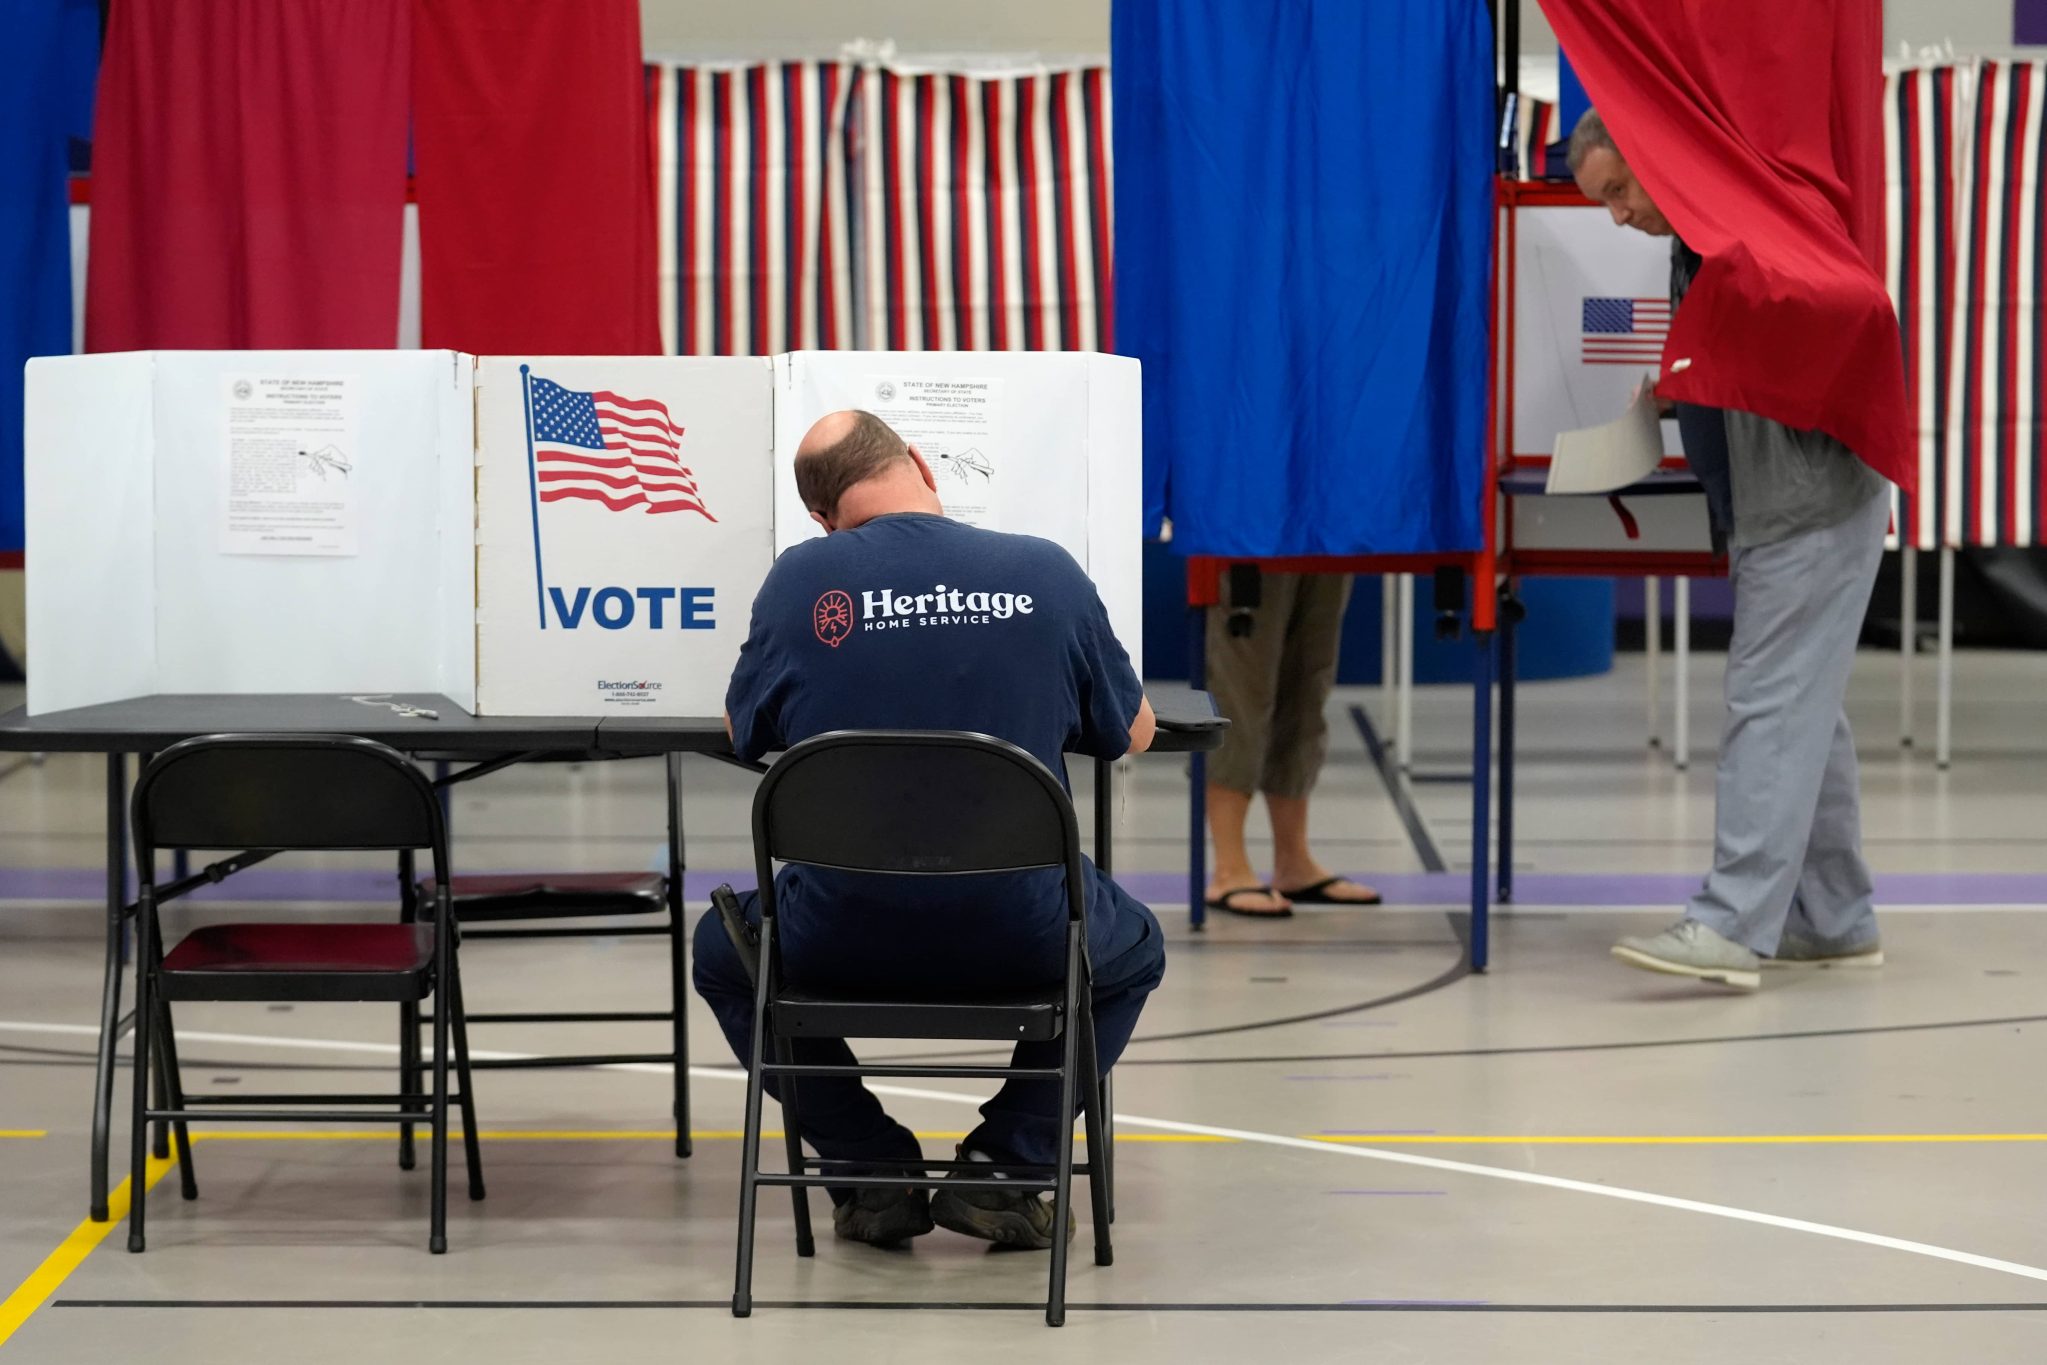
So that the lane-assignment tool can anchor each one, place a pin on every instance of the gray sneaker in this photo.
(1797, 950)
(1689, 948)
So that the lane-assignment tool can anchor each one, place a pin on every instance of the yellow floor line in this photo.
(1657, 1139)
(58, 1265)
(1337, 1139)
(583, 1135)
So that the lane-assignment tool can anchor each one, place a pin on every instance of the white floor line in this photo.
(1553, 1182)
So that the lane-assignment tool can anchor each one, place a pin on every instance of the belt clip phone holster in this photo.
(746, 940)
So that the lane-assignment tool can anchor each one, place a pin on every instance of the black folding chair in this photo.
(552, 905)
(292, 792)
(921, 804)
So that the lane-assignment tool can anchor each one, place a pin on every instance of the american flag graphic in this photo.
(1624, 331)
(604, 448)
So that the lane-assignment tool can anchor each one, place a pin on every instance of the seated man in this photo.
(1002, 634)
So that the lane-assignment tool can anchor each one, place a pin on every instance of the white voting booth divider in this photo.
(525, 535)
(1592, 305)
(624, 520)
(187, 534)
(1045, 443)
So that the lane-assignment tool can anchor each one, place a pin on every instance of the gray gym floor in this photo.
(1334, 1146)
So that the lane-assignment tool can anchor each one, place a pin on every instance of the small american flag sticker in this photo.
(1624, 331)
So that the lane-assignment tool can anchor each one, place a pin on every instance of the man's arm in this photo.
(728, 727)
(1144, 727)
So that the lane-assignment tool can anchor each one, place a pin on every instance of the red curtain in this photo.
(1756, 127)
(536, 202)
(249, 175)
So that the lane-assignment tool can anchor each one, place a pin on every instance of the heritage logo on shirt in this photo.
(833, 617)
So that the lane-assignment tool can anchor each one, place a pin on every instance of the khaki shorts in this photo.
(1274, 683)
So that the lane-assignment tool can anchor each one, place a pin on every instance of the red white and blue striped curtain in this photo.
(1992, 492)
(752, 186)
(985, 210)
(1925, 127)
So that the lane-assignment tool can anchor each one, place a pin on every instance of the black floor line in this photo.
(1793, 1035)
(55, 1057)
(848, 1305)
(1403, 804)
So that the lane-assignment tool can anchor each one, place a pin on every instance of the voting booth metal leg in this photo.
(1403, 703)
(1481, 791)
(111, 1023)
(1652, 656)
(678, 966)
(1197, 780)
(1943, 732)
(1509, 612)
(1680, 721)
(1389, 647)
(1908, 638)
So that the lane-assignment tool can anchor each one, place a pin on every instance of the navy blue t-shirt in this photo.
(915, 622)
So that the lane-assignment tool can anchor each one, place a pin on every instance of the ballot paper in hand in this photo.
(1613, 455)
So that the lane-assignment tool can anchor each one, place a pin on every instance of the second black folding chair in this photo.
(558, 905)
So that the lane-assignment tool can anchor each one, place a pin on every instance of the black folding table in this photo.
(414, 723)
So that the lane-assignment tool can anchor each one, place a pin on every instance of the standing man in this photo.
(948, 627)
(1804, 523)
(1271, 665)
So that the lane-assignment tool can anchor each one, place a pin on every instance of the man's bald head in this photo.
(844, 450)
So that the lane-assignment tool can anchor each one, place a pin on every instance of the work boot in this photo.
(1689, 948)
(1022, 1219)
(882, 1217)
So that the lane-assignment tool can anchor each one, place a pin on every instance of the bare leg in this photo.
(1228, 811)
(1293, 864)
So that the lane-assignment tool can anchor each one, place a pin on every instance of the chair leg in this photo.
(160, 1131)
(1109, 1140)
(750, 1139)
(472, 1139)
(749, 1195)
(1062, 1191)
(138, 1136)
(174, 1089)
(437, 1232)
(1098, 1141)
(792, 1140)
(409, 1075)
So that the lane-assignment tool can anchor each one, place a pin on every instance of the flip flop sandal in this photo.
(1222, 903)
(1318, 894)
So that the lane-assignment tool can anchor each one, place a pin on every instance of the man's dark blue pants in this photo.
(841, 1118)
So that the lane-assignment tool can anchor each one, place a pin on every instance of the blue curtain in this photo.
(1303, 206)
(49, 53)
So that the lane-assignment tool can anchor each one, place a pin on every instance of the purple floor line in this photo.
(1531, 889)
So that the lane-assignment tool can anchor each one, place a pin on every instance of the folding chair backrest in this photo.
(285, 792)
(915, 803)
